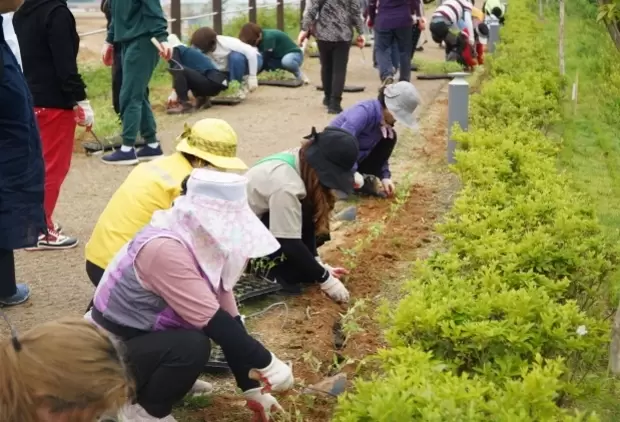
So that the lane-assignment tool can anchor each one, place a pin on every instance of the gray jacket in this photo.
(336, 20)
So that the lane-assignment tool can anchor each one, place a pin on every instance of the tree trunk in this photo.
(561, 39)
(612, 27)
(614, 346)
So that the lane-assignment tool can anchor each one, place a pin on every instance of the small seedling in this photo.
(313, 361)
(349, 321)
(276, 75)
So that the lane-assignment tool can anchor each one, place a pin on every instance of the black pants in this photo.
(165, 365)
(185, 80)
(415, 39)
(94, 273)
(334, 58)
(8, 286)
(379, 155)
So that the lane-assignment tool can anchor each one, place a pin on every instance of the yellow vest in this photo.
(149, 187)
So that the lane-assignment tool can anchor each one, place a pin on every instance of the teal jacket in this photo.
(131, 19)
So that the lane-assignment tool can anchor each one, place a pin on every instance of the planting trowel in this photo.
(331, 386)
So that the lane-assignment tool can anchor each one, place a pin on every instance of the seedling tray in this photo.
(287, 83)
(108, 144)
(250, 286)
(350, 88)
(217, 362)
(315, 55)
(432, 77)
(226, 101)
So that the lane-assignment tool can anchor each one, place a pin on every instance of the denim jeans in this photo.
(238, 66)
(384, 40)
(394, 54)
(291, 62)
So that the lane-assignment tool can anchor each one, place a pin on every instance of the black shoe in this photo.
(326, 101)
(203, 103)
(334, 106)
(420, 48)
(181, 108)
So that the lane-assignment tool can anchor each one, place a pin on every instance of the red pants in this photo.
(57, 128)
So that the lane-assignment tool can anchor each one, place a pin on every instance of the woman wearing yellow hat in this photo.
(155, 185)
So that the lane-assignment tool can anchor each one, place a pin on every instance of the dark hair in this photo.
(184, 185)
(497, 12)
(483, 29)
(381, 96)
(205, 39)
(321, 198)
(250, 33)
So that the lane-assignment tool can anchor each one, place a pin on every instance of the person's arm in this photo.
(247, 50)
(385, 170)
(62, 40)
(469, 25)
(310, 14)
(355, 16)
(372, 10)
(153, 9)
(10, 37)
(228, 303)
(165, 267)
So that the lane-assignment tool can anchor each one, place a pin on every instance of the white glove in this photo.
(358, 180)
(334, 271)
(201, 388)
(261, 404)
(84, 114)
(172, 98)
(252, 83)
(278, 376)
(107, 54)
(388, 185)
(335, 289)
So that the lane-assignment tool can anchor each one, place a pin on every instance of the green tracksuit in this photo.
(133, 24)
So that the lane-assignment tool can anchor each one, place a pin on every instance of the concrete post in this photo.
(493, 33)
(458, 109)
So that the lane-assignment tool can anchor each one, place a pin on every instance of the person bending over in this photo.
(169, 292)
(445, 29)
(372, 124)
(154, 186)
(49, 45)
(193, 71)
(495, 8)
(292, 194)
(279, 51)
(132, 26)
(229, 55)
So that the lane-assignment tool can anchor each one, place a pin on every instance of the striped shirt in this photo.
(335, 21)
(453, 10)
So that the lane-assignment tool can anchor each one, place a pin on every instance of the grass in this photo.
(590, 151)
(436, 67)
(99, 80)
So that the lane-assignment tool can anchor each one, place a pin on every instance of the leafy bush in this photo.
(267, 18)
(513, 307)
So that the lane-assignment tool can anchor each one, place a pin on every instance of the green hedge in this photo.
(506, 321)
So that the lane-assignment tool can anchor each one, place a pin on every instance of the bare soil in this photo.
(270, 120)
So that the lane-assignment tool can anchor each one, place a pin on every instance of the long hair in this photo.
(250, 33)
(320, 197)
(63, 366)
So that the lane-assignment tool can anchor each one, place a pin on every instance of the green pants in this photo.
(140, 57)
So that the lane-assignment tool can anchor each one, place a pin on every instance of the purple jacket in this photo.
(364, 121)
(392, 14)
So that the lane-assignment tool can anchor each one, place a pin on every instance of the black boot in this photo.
(334, 106)
(326, 101)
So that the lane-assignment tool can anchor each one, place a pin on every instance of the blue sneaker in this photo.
(22, 295)
(148, 153)
(120, 158)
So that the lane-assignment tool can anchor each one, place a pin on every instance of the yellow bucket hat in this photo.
(212, 140)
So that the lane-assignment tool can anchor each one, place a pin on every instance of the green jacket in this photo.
(277, 44)
(131, 19)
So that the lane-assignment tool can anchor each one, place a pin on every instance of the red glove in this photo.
(107, 54)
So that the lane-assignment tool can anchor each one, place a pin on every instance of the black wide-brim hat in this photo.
(332, 154)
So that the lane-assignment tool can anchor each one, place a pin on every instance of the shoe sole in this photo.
(8, 305)
(121, 163)
(52, 248)
(150, 158)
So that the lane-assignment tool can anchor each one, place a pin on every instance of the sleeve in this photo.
(162, 266)
(110, 34)
(270, 43)
(228, 303)
(311, 13)
(247, 50)
(385, 170)
(159, 28)
(469, 25)
(10, 37)
(355, 13)
(62, 40)
(304, 260)
(372, 10)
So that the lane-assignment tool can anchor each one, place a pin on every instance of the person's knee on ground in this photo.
(292, 62)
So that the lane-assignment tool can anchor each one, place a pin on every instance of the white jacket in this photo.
(10, 37)
(226, 45)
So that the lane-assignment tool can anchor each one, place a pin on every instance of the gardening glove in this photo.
(84, 114)
(358, 180)
(278, 376)
(335, 289)
(107, 54)
(261, 404)
(252, 83)
(303, 36)
(334, 271)
(361, 41)
(388, 185)
(172, 99)
(165, 51)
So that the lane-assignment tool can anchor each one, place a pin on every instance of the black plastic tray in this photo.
(250, 286)
(314, 55)
(109, 144)
(226, 101)
(287, 83)
(217, 362)
(350, 88)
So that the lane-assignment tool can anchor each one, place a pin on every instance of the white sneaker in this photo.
(304, 78)
(201, 388)
(136, 413)
(54, 240)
